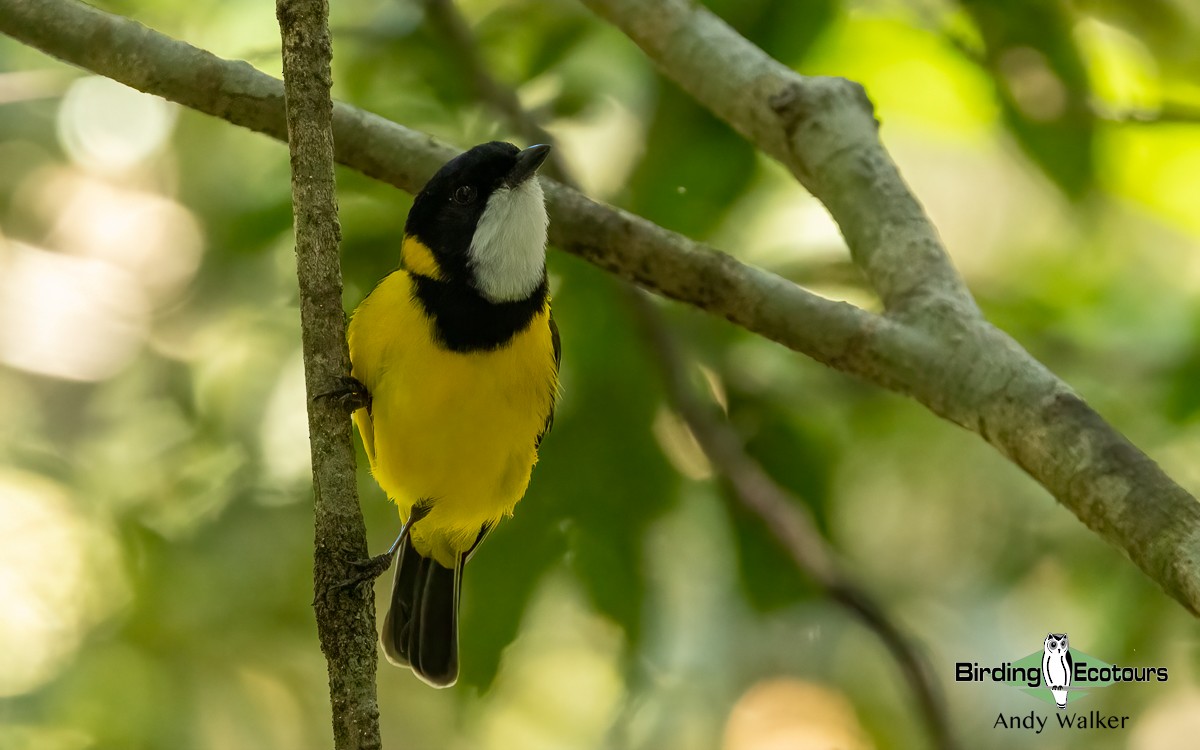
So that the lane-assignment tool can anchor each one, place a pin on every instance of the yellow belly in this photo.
(455, 429)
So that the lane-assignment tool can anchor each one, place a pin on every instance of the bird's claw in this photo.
(352, 395)
(363, 572)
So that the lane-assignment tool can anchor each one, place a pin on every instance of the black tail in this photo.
(421, 627)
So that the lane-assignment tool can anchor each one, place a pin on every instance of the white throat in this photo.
(508, 251)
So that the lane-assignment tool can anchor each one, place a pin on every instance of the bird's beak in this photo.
(528, 162)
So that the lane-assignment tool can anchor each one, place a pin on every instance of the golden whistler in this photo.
(455, 372)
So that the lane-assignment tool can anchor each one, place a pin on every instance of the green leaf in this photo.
(784, 29)
(1182, 392)
(1042, 85)
(499, 582)
(616, 478)
(674, 184)
(799, 455)
(600, 480)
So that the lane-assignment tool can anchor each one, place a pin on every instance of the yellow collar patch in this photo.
(417, 258)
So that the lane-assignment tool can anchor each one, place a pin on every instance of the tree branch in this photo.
(345, 615)
(782, 513)
(627, 245)
(956, 364)
(445, 16)
(787, 520)
(824, 131)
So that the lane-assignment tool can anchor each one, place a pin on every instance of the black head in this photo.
(447, 212)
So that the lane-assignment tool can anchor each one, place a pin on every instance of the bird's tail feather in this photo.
(421, 627)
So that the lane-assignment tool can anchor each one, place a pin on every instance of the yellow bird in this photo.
(455, 363)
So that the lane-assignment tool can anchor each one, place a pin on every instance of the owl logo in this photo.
(1057, 667)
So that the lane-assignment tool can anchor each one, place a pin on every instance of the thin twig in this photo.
(787, 519)
(345, 616)
(445, 16)
(969, 372)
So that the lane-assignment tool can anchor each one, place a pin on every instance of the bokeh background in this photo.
(155, 519)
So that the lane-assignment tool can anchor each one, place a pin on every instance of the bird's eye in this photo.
(464, 195)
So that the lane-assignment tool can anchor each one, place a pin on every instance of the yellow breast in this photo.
(456, 429)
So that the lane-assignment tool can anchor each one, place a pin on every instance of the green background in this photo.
(155, 501)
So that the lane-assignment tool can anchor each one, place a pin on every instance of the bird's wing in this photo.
(557, 342)
(366, 429)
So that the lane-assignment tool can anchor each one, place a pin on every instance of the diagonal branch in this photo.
(955, 363)
(345, 617)
(787, 520)
(822, 129)
(445, 16)
(627, 245)
(751, 486)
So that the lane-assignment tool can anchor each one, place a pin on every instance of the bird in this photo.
(454, 370)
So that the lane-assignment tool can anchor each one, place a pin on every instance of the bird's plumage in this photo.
(460, 355)
(458, 428)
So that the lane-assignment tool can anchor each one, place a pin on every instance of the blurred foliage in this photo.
(155, 530)
(1042, 85)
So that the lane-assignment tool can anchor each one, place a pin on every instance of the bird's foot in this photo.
(351, 395)
(364, 572)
